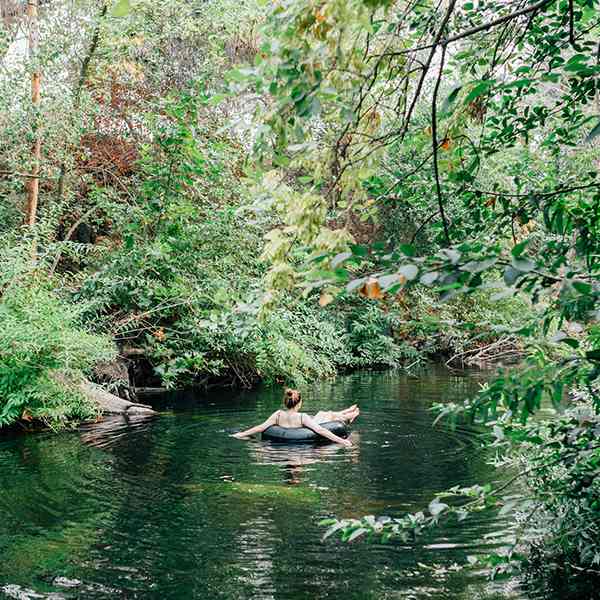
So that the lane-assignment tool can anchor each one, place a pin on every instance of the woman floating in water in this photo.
(292, 417)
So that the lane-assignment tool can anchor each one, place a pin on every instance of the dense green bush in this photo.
(372, 337)
(564, 457)
(184, 283)
(44, 353)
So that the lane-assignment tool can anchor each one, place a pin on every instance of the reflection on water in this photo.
(113, 428)
(173, 507)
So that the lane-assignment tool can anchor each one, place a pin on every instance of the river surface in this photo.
(174, 508)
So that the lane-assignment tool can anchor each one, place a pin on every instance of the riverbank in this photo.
(75, 324)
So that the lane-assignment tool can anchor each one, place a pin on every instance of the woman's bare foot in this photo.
(354, 414)
(351, 413)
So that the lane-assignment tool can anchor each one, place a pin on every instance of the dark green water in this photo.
(174, 508)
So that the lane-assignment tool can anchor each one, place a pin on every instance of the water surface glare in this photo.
(174, 508)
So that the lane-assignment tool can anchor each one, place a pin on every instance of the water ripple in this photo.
(173, 507)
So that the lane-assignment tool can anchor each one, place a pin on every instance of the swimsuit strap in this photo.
(301, 423)
(277, 419)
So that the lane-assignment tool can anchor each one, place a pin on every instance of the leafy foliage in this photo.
(494, 188)
(45, 351)
(425, 174)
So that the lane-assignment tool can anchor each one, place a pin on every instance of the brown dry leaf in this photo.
(26, 416)
(325, 299)
(160, 334)
(446, 143)
(371, 289)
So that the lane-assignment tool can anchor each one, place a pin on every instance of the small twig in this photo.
(144, 314)
(479, 349)
(572, 26)
(536, 194)
(426, 67)
(473, 30)
(422, 225)
(28, 175)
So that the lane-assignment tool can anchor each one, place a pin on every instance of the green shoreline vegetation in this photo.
(224, 193)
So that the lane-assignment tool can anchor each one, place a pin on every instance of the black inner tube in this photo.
(276, 433)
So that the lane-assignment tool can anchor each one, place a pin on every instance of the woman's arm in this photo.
(257, 428)
(312, 424)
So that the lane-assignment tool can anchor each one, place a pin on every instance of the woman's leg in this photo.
(324, 416)
(346, 415)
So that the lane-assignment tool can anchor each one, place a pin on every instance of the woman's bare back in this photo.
(290, 418)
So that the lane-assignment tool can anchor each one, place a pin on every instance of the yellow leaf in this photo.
(371, 289)
(325, 299)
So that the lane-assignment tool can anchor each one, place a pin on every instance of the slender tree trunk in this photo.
(33, 184)
(80, 83)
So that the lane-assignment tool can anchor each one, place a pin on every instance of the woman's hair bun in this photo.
(291, 397)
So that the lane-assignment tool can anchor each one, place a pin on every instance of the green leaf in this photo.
(518, 248)
(407, 249)
(557, 392)
(525, 265)
(409, 271)
(479, 89)
(450, 99)
(572, 342)
(593, 354)
(358, 250)
(582, 287)
(236, 75)
(429, 278)
(576, 63)
(340, 258)
(593, 134)
(216, 99)
(121, 9)
(518, 83)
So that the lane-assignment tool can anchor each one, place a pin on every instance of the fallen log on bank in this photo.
(109, 403)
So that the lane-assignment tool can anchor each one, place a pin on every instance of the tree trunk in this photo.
(33, 184)
(80, 83)
(109, 403)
